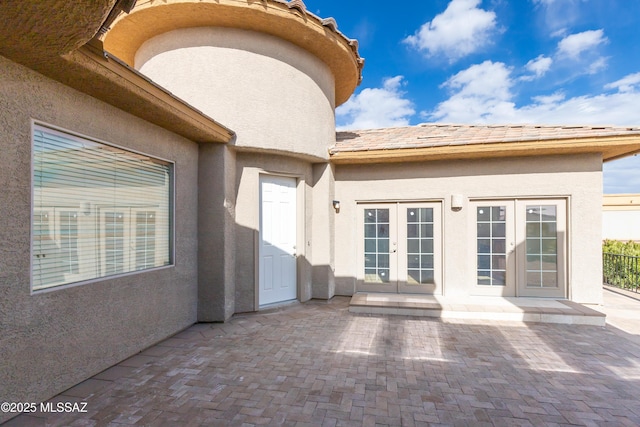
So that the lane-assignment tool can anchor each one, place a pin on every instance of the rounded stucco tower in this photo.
(273, 73)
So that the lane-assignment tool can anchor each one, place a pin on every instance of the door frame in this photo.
(516, 248)
(262, 176)
(561, 250)
(398, 248)
(509, 290)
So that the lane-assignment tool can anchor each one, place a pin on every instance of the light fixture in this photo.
(85, 207)
(336, 205)
(457, 201)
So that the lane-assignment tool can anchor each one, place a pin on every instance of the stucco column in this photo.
(323, 232)
(216, 233)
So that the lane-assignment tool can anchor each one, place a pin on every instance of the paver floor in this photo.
(316, 364)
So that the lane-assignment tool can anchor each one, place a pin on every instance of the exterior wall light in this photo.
(336, 205)
(86, 208)
(457, 202)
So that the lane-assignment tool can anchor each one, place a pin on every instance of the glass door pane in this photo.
(491, 232)
(420, 246)
(541, 258)
(376, 245)
(541, 246)
(494, 260)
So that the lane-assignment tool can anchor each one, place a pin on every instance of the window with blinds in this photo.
(98, 210)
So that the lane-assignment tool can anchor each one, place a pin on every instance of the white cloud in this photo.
(560, 14)
(482, 94)
(538, 67)
(376, 107)
(479, 92)
(575, 44)
(460, 30)
(625, 84)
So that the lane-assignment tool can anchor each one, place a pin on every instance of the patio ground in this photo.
(316, 364)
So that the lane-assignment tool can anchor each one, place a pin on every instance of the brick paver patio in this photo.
(316, 364)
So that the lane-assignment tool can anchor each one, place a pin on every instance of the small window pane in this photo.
(484, 277)
(548, 229)
(533, 262)
(498, 230)
(370, 245)
(499, 246)
(383, 215)
(412, 230)
(427, 277)
(498, 213)
(499, 262)
(549, 246)
(413, 246)
(484, 230)
(413, 261)
(533, 214)
(549, 213)
(426, 214)
(383, 245)
(383, 261)
(426, 261)
(369, 261)
(533, 246)
(533, 229)
(499, 278)
(370, 230)
(369, 215)
(426, 230)
(383, 231)
(484, 213)
(412, 215)
(413, 277)
(484, 262)
(426, 246)
(549, 279)
(484, 246)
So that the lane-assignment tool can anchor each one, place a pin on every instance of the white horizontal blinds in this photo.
(98, 210)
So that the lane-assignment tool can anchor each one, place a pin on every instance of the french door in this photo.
(399, 248)
(520, 247)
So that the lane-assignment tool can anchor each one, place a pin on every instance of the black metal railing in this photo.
(622, 271)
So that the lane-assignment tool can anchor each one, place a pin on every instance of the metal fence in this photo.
(622, 271)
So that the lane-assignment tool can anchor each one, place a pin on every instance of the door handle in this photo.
(393, 251)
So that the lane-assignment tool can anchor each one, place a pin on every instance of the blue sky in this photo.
(496, 61)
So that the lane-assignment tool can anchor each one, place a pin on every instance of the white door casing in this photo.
(400, 247)
(520, 247)
(277, 243)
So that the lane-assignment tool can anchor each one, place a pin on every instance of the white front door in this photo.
(277, 252)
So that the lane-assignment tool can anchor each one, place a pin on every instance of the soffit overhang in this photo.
(611, 148)
(57, 39)
(34, 31)
(289, 21)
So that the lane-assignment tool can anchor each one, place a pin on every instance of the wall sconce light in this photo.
(457, 201)
(86, 208)
(336, 205)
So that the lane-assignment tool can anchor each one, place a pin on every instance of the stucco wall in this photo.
(273, 94)
(55, 339)
(577, 178)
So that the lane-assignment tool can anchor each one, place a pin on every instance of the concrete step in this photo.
(541, 310)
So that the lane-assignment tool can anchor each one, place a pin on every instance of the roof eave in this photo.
(610, 148)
